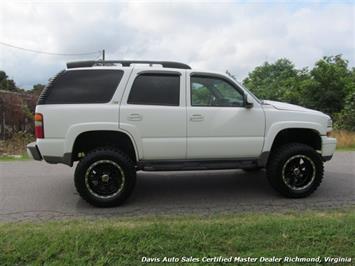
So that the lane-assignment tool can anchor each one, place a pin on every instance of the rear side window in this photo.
(82, 86)
(155, 89)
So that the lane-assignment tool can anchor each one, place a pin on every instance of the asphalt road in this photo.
(36, 190)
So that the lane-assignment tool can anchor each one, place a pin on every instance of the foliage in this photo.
(37, 89)
(346, 118)
(327, 87)
(17, 107)
(16, 145)
(5, 83)
(200, 95)
(277, 81)
(330, 84)
(345, 139)
(16, 111)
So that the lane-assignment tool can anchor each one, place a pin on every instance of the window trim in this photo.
(155, 73)
(216, 76)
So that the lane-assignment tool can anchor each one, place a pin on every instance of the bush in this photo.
(345, 139)
(16, 145)
(346, 118)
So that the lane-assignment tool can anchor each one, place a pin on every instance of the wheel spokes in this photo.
(105, 178)
(298, 172)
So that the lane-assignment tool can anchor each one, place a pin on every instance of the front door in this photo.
(219, 126)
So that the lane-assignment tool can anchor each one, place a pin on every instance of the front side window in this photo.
(214, 91)
(155, 89)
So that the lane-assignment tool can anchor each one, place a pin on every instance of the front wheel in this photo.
(295, 170)
(105, 177)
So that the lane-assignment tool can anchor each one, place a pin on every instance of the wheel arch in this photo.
(284, 133)
(281, 128)
(307, 136)
(87, 140)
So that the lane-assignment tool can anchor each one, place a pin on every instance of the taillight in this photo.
(39, 131)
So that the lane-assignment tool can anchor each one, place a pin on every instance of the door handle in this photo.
(135, 117)
(196, 118)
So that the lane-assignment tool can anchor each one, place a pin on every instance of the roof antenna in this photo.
(103, 55)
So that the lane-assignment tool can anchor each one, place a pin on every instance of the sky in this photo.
(214, 35)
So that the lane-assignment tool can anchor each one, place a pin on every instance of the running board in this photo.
(180, 165)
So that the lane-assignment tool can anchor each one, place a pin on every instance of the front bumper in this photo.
(328, 147)
(34, 152)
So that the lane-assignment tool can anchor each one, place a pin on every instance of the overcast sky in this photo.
(216, 35)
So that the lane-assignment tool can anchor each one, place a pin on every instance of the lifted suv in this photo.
(118, 117)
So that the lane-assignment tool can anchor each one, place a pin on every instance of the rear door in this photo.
(153, 111)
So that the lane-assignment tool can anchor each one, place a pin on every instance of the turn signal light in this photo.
(39, 130)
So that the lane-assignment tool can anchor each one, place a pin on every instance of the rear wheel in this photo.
(295, 170)
(105, 177)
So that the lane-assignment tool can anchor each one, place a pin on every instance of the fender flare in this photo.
(276, 128)
(75, 130)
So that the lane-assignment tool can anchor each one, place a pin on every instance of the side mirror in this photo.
(249, 103)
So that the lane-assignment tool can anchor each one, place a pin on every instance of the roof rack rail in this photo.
(91, 63)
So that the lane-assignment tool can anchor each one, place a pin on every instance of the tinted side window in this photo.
(82, 86)
(211, 91)
(155, 89)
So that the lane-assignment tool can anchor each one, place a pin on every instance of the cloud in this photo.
(215, 35)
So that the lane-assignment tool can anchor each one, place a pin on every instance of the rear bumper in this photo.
(328, 147)
(34, 152)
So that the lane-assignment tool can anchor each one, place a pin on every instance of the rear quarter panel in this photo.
(64, 122)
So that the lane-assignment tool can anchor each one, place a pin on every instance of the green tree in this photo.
(346, 118)
(331, 81)
(2, 75)
(37, 89)
(323, 88)
(5, 83)
(276, 81)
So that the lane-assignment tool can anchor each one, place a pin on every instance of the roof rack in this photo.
(91, 63)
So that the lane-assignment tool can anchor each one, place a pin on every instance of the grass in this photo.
(346, 149)
(125, 241)
(22, 157)
(345, 139)
(15, 147)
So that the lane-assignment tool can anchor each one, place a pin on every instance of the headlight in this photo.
(330, 123)
(329, 127)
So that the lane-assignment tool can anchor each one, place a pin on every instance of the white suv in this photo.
(118, 117)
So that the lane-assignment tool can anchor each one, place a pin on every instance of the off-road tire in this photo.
(278, 161)
(104, 154)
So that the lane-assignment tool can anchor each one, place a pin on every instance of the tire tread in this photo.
(126, 162)
(278, 156)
